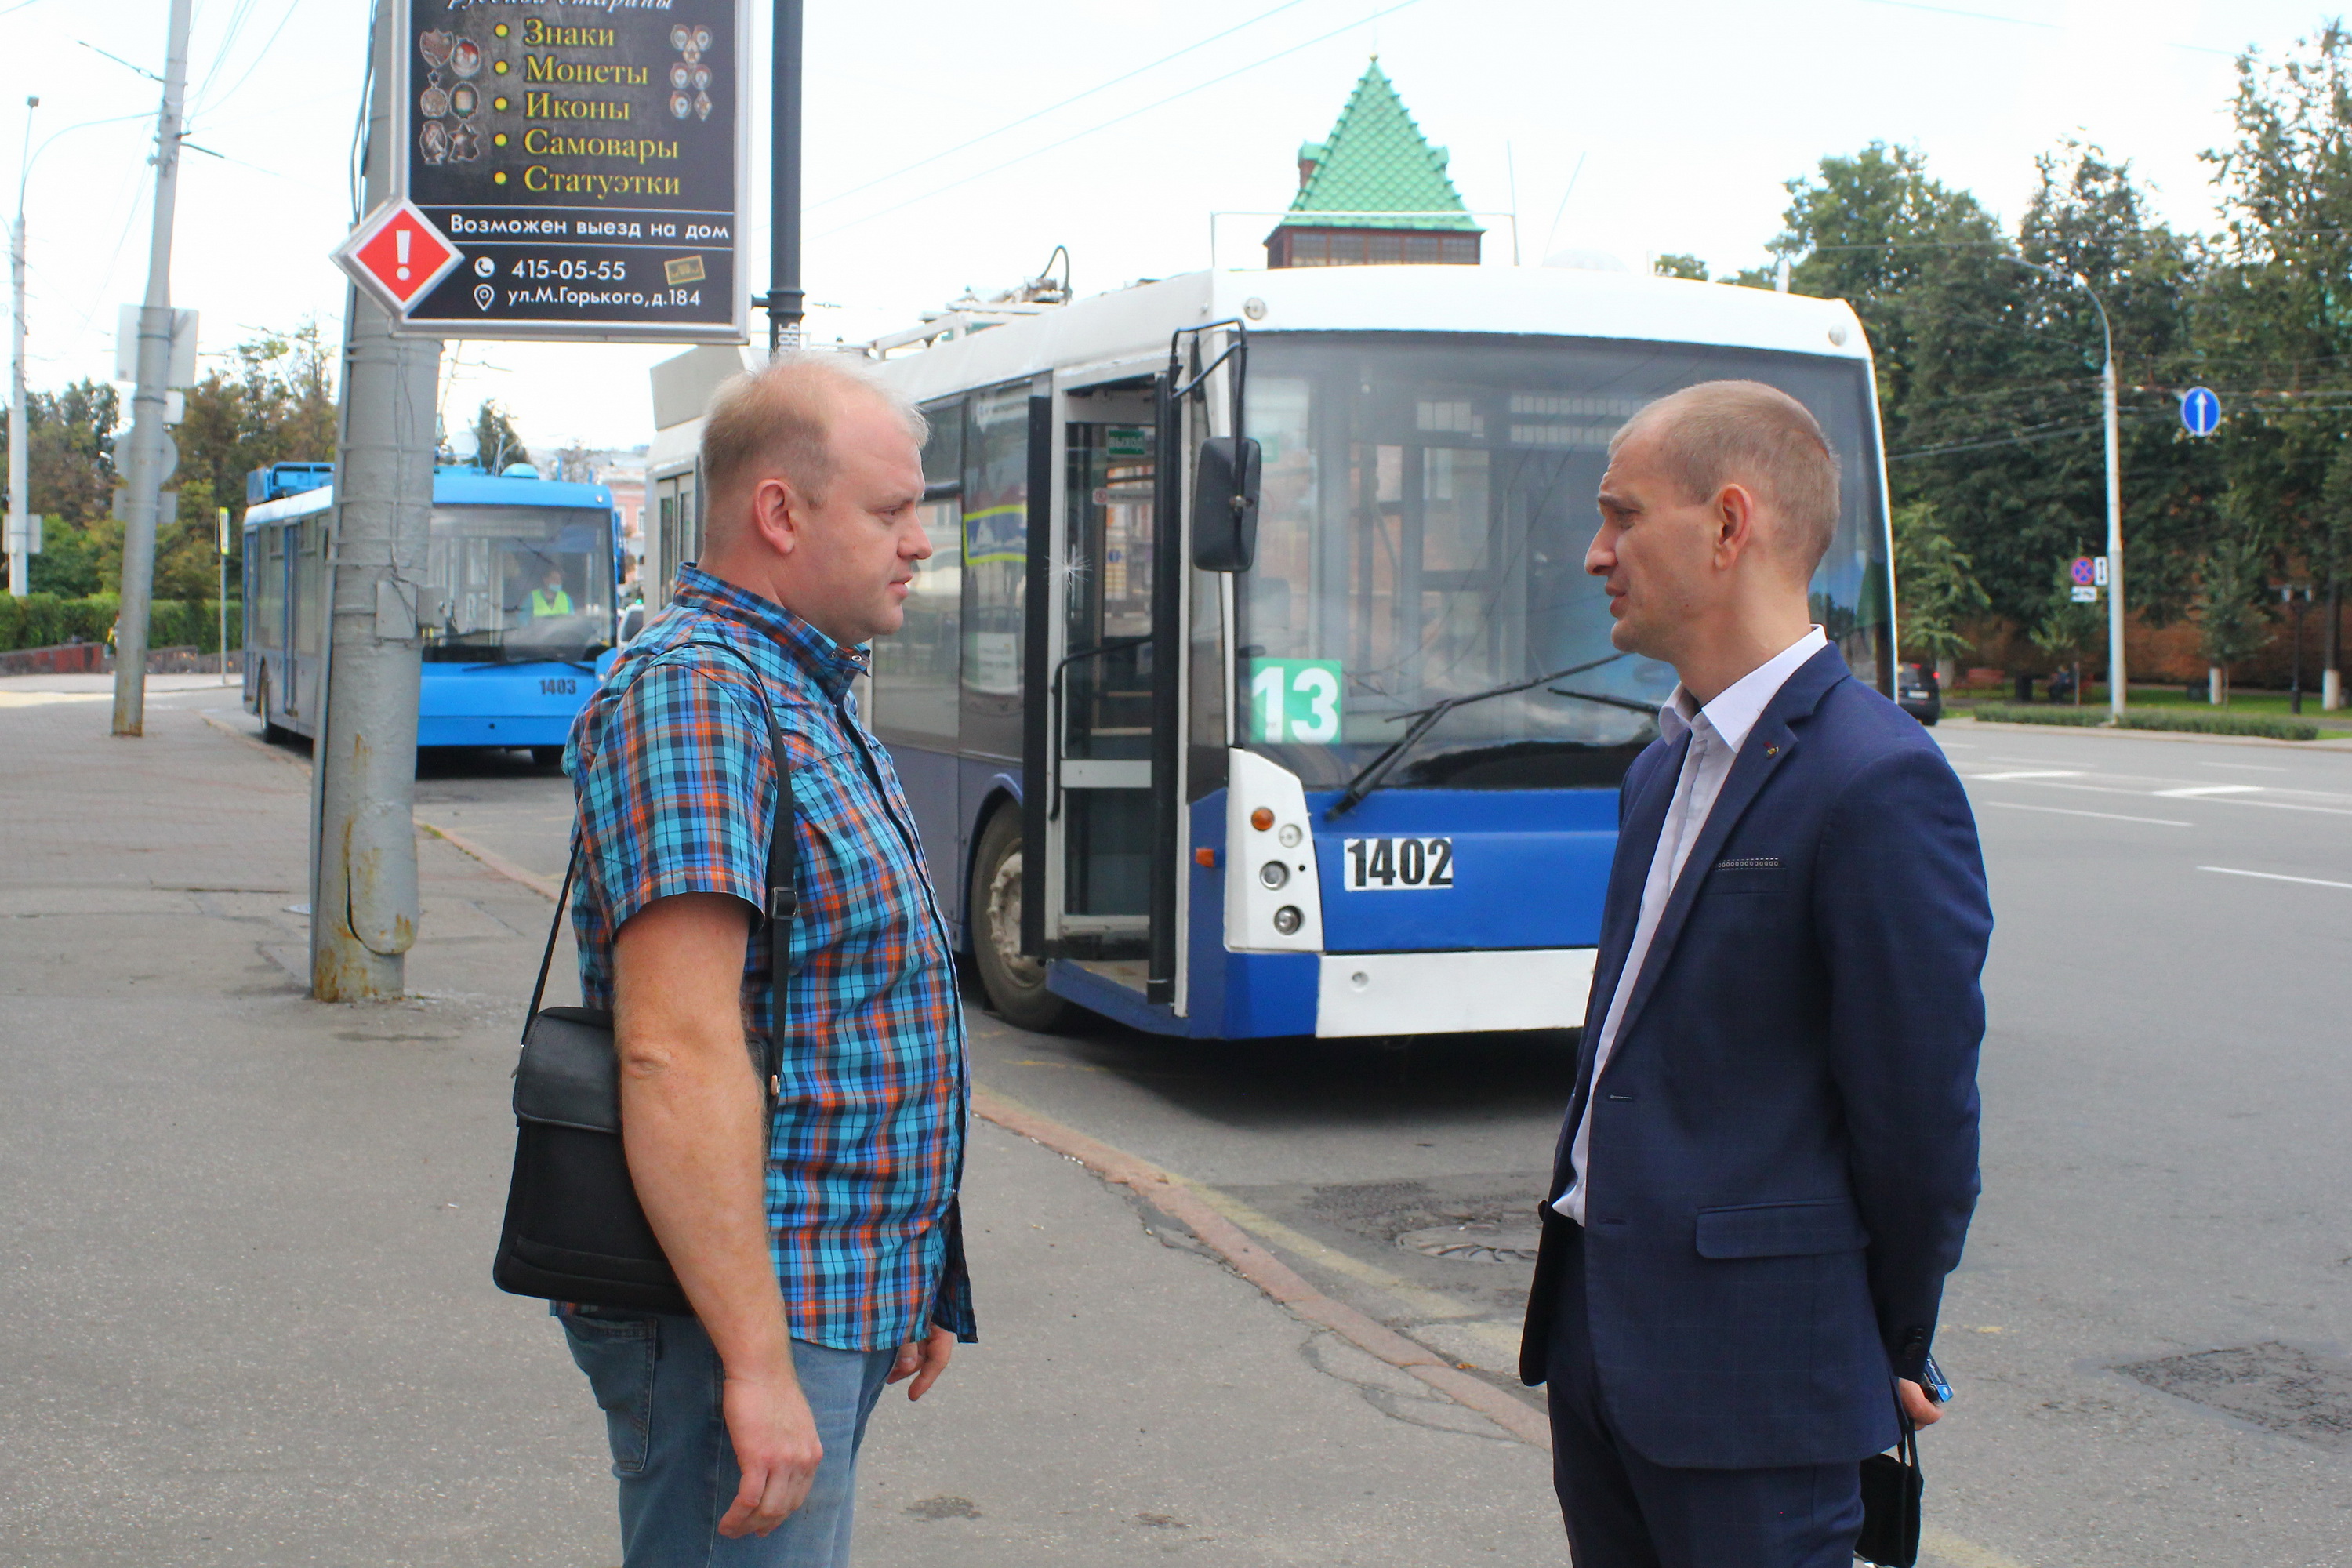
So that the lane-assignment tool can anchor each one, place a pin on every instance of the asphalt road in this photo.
(2149, 1332)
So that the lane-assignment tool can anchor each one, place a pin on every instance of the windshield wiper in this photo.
(1631, 704)
(1426, 719)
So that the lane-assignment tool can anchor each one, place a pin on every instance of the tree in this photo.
(1936, 588)
(2276, 319)
(2230, 620)
(274, 403)
(2068, 629)
(1678, 266)
(496, 443)
(70, 439)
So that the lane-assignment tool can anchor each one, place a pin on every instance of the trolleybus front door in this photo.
(1100, 699)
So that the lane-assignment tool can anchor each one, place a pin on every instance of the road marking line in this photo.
(1181, 1200)
(2244, 767)
(2104, 815)
(2027, 774)
(2201, 792)
(2275, 876)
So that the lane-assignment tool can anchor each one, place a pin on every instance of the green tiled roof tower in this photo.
(1374, 191)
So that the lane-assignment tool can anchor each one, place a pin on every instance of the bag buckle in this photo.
(784, 903)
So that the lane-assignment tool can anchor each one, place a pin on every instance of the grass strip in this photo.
(2260, 724)
(2004, 713)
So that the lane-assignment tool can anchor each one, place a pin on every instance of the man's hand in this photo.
(923, 1360)
(776, 1446)
(1923, 1410)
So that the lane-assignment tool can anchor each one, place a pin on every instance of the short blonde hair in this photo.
(778, 420)
(1720, 433)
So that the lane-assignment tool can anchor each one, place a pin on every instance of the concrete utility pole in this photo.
(364, 906)
(152, 456)
(19, 545)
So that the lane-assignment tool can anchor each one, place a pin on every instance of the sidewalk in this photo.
(248, 1302)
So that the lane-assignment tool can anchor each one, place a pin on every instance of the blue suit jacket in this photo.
(1784, 1145)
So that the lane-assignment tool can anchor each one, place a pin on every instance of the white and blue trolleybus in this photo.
(519, 616)
(1319, 732)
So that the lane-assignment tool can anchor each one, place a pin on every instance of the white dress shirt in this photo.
(1716, 733)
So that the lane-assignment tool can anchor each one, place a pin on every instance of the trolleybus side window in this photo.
(269, 586)
(995, 568)
(915, 669)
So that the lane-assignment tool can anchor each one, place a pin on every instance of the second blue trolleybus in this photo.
(520, 582)
(1360, 779)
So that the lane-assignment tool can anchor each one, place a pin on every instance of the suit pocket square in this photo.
(1780, 1230)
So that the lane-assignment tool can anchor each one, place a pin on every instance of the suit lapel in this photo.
(1767, 750)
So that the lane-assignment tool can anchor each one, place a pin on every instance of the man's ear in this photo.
(776, 513)
(1736, 524)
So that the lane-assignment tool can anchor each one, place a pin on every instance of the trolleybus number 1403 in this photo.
(1378, 865)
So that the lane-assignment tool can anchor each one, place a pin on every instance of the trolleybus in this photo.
(1358, 775)
(519, 613)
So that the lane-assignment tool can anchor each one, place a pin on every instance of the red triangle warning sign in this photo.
(397, 254)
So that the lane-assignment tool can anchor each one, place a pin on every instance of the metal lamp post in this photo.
(2296, 598)
(2108, 418)
(19, 543)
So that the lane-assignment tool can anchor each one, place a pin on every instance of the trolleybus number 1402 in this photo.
(1384, 864)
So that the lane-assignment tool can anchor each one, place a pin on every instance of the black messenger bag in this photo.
(574, 1230)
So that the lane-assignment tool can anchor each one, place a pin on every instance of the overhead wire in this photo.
(1049, 109)
(1119, 119)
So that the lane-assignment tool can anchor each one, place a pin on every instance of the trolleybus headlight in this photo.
(1289, 836)
(1287, 920)
(1274, 873)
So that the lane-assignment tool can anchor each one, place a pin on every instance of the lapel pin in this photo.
(1771, 751)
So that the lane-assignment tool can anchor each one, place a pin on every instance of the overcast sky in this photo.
(1685, 120)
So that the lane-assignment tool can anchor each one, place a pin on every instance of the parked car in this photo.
(1919, 692)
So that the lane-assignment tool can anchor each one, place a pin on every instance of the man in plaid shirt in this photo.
(830, 1262)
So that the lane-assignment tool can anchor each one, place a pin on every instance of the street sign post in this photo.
(2200, 411)
(2087, 574)
(587, 160)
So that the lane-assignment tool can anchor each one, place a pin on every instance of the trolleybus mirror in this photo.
(1225, 504)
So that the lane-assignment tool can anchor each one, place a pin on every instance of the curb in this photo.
(494, 861)
(246, 737)
(1174, 1197)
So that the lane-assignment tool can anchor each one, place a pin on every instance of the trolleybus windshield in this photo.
(1427, 501)
(521, 583)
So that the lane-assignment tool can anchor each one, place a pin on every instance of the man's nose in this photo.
(1601, 555)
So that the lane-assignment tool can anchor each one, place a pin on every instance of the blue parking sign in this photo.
(2200, 411)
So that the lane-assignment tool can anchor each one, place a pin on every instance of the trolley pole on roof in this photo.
(784, 299)
(152, 456)
(363, 904)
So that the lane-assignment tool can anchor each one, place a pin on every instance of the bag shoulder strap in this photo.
(780, 908)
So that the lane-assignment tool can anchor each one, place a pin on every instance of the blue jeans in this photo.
(657, 1379)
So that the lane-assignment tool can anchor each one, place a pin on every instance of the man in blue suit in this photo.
(1770, 1160)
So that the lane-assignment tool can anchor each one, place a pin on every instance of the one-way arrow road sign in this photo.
(397, 254)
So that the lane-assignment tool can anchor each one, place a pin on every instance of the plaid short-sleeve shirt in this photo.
(671, 763)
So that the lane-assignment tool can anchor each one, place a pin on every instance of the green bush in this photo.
(44, 620)
(2261, 724)
(2006, 714)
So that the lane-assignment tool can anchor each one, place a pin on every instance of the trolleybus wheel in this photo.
(271, 729)
(546, 757)
(1015, 982)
